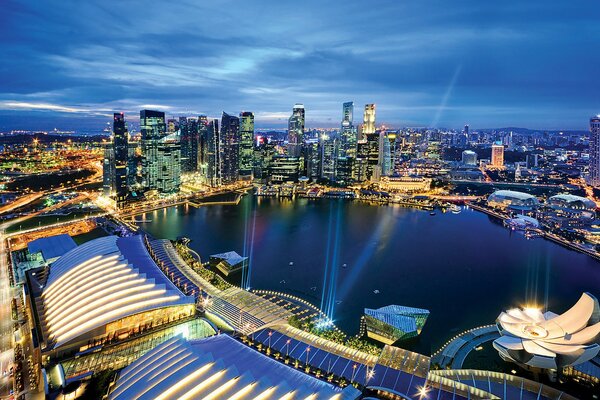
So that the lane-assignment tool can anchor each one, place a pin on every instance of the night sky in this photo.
(490, 64)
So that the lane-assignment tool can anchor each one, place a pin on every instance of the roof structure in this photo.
(102, 281)
(231, 257)
(52, 246)
(511, 194)
(218, 367)
(400, 317)
(548, 340)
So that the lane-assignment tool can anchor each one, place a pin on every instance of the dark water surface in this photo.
(465, 268)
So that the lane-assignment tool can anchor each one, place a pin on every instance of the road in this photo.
(6, 324)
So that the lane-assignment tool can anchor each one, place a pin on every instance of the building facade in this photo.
(246, 144)
(230, 148)
(594, 178)
(296, 131)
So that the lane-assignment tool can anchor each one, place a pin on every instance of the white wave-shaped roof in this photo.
(102, 281)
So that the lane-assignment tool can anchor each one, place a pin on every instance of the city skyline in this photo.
(489, 66)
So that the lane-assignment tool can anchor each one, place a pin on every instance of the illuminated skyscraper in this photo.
(469, 157)
(152, 126)
(246, 144)
(348, 134)
(212, 152)
(116, 160)
(230, 148)
(188, 132)
(387, 152)
(169, 164)
(296, 131)
(594, 178)
(329, 154)
(497, 156)
(369, 119)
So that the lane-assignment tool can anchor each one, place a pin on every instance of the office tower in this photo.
(329, 154)
(296, 131)
(284, 169)
(108, 170)
(466, 130)
(360, 167)
(152, 127)
(246, 144)
(497, 156)
(263, 154)
(369, 119)
(116, 161)
(169, 164)
(120, 140)
(230, 148)
(595, 151)
(343, 170)
(212, 153)
(134, 166)
(348, 135)
(312, 157)
(203, 148)
(387, 152)
(188, 133)
(469, 157)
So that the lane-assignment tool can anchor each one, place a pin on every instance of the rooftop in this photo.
(102, 281)
(218, 367)
(231, 257)
(52, 246)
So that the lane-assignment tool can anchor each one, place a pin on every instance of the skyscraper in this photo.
(497, 156)
(169, 164)
(188, 133)
(212, 153)
(246, 144)
(115, 161)
(120, 145)
(296, 131)
(369, 119)
(387, 152)
(329, 154)
(348, 133)
(230, 148)
(203, 147)
(594, 178)
(152, 127)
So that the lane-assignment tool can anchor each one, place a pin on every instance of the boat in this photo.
(338, 302)
(376, 291)
(282, 281)
(344, 265)
(432, 213)
(455, 209)
(291, 263)
(314, 288)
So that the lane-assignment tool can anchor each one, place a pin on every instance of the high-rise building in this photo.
(369, 119)
(387, 152)
(284, 169)
(188, 133)
(230, 148)
(312, 157)
(203, 148)
(116, 161)
(212, 153)
(497, 156)
(594, 178)
(152, 127)
(348, 134)
(246, 144)
(469, 157)
(329, 155)
(169, 164)
(296, 130)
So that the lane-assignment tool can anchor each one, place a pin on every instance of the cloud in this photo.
(73, 57)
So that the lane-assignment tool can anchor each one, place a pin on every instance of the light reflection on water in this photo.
(463, 267)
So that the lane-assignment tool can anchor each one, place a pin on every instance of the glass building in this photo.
(296, 131)
(594, 178)
(348, 134)
(152, 127)
(230, 148)
(392, 323)
(188, 133)
(246, 144)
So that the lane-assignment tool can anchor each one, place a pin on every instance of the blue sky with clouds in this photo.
(424, 63)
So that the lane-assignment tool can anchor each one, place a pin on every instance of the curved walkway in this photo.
(455, 351)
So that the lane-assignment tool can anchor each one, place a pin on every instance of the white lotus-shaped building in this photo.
(547, 340)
